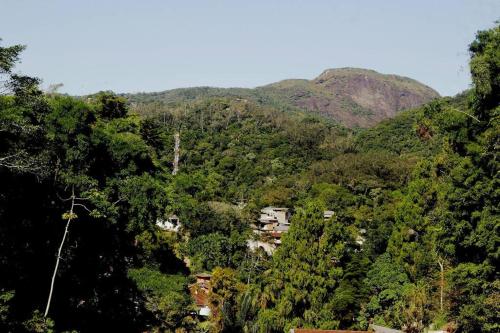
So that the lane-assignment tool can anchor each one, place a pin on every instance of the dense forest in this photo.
(413, 242)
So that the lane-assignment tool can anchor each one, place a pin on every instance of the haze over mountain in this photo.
(354, 97)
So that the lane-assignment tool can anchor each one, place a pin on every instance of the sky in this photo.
(155, 45)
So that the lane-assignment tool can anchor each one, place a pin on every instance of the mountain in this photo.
(353, 97)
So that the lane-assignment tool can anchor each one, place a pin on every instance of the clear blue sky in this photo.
(153, 45)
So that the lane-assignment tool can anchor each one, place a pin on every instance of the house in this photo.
(199, 293)
(281, 215)
(327, 214)
(171, 224)
(272, 220)
(264, 224)
(272, 223)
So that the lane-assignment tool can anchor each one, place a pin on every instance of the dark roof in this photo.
(283, 209)
(203, 275)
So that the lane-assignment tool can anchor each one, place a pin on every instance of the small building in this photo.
(328, 214)
(264, 224)
(170, 224)
(281, 215)
(272, 223)
(199, 293)
(203, 279)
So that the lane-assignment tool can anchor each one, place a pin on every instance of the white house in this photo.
(170, 224)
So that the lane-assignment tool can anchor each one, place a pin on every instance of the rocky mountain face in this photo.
(353, 97)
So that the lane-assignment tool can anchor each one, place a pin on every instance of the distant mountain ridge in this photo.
(354, 97)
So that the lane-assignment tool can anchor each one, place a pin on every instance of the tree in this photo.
(223, 300)
(305, 281)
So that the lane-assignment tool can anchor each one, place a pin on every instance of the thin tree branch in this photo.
(467, 114)
(81, 205)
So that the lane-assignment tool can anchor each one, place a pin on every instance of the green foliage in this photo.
(215, 250)
(39, 324)
(308, 284)
(485, 66)
(9, 56)
(110, 106)
(54, 146)
(5, 299)
(223, 300)
(475, 305)
(167, 297)
(413, 242)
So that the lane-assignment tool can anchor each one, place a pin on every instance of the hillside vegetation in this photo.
(352, 97)
(413, 243)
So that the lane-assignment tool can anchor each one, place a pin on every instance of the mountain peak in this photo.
(355, 97)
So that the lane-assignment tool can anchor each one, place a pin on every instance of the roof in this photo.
(203, 275)
(267, 219)
(311, 330)
(282, 227)
(280, 209)
(382, 329)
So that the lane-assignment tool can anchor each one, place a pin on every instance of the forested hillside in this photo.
(413, 242)
(353, 97)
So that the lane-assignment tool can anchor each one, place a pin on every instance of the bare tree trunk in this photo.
(70, 217)
(441, 284)
(176, 153)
